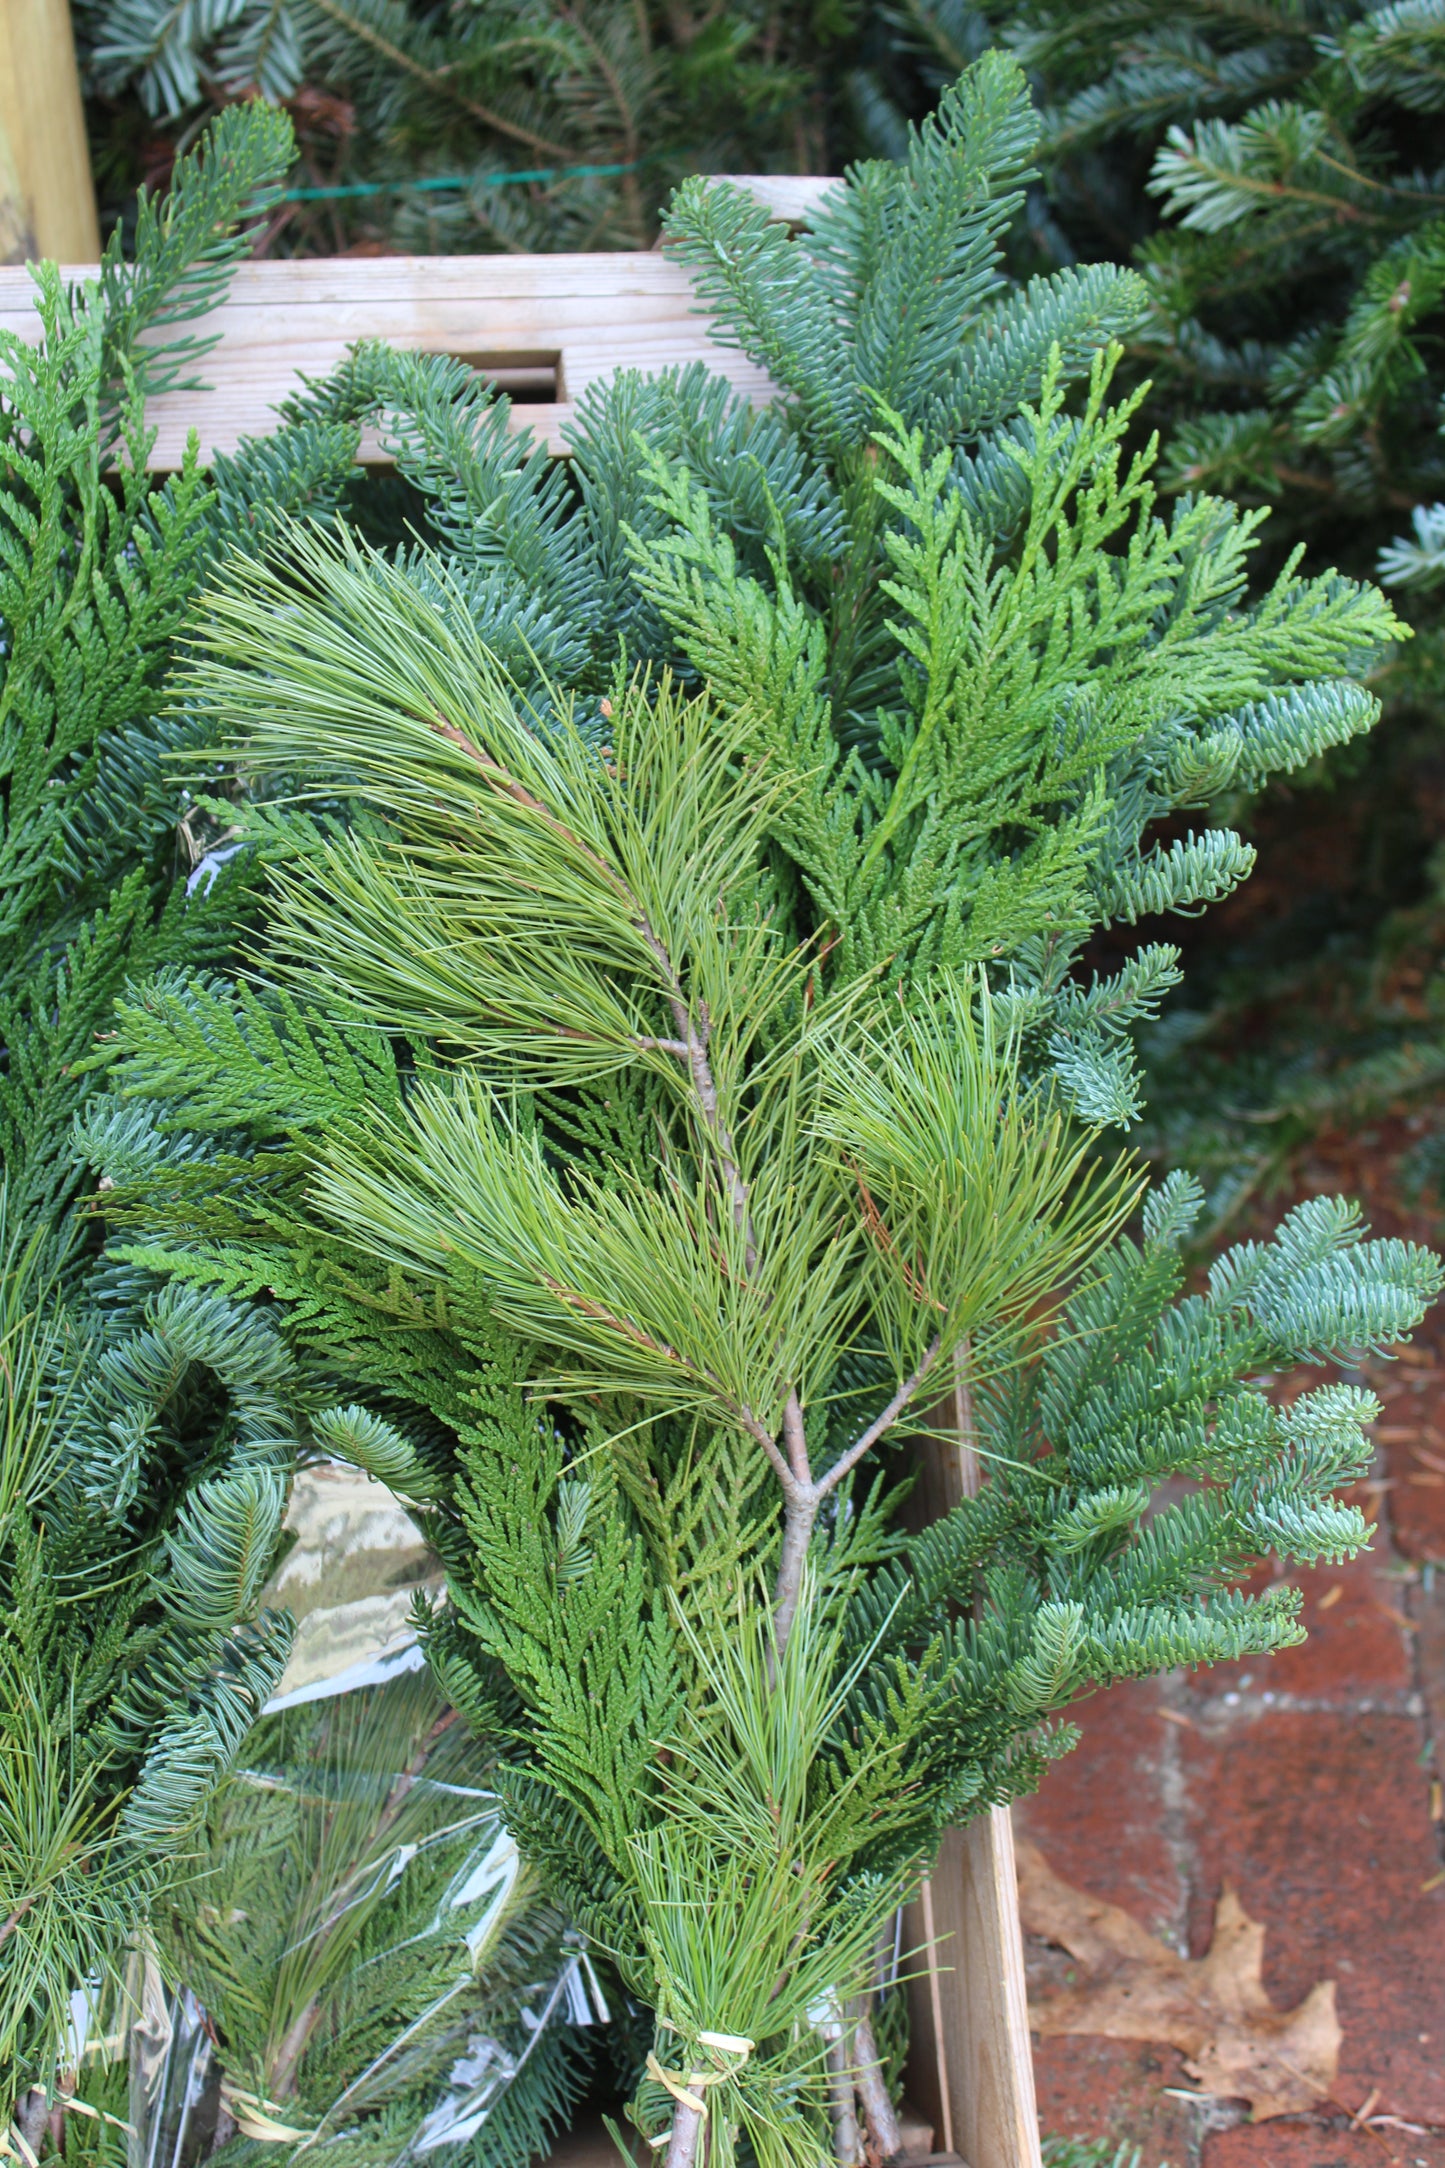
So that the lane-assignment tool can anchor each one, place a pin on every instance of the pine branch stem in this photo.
(686, 2131)
(800, 1511)
(293, 2046)
(693, 1034)
(769, 1444)
(847, 2144)
(796, 1440)
(803, 1494)
(881, 1422)
(880, 2118)
(963, 1420)
(16, 1917)
(435, 80)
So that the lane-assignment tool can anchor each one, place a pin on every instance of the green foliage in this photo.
(388, 98)
(1073, 1577)
(1017, 663)
(666, 1080)
(1274, 175)
(1264, 169)
(97, 569)
(150, 1429)
(1093, 663)
(128, 1681)
(1091, 2153)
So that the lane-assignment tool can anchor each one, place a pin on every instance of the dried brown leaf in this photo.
(1213, 2009)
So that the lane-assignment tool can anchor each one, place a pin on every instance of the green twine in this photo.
(463, 180)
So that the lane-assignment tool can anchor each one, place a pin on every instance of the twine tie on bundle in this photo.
(689, 2087)
(254, 2119)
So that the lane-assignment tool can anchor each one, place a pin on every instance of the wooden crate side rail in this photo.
(970, 2064)
(544, 327)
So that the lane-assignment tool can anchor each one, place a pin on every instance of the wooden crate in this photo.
(544, 327)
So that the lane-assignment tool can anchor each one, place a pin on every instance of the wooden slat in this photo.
(47, 199)
(585, 317)
(571, 319)
(970, 2065)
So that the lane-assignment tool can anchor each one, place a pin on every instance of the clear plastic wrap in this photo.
(359, 1960)
(268, 2032)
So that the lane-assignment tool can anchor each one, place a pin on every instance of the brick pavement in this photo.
(1311, 1782)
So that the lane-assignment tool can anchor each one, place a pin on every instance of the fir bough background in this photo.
(598, 107)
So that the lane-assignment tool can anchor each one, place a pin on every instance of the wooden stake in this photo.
(47, 197)
(971, 2068)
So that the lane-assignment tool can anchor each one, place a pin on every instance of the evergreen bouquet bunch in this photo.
(669, 1088)
(148, 1432)
(147, 1438)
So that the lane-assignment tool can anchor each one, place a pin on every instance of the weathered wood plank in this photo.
(545, 326)
(971, 2068)
(47, 198)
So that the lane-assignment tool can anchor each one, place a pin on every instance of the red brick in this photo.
(1089, 2087)
(1355, 1645)
(1099, 1816)
(1412, 1441)
(1321, 1823)
(1297, 2145)
(1428, 1608)
(1417, 1493)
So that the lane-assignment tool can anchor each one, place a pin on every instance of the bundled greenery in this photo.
(364, 1941)
(501, 125)
(669, 1086)
(1271, 173)
(97, 570)
(128, 1681)
(148, 1434)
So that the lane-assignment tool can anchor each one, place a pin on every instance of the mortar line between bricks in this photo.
(1427, 1604)
(1173, 1816)
(1215, 1716)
